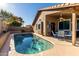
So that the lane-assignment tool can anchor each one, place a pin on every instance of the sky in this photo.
(26, 10)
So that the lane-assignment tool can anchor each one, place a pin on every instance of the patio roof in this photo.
(53, 8)
(59, 6)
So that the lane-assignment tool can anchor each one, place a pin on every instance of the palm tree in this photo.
(5, 14)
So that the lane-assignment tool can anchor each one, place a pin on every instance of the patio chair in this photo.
(67, 34)
(60, 34)
(54, 34)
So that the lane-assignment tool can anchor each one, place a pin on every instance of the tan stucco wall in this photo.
(40, 19)
(45, 19)
(50, 19)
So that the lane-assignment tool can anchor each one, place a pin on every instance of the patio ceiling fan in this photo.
(61, 17)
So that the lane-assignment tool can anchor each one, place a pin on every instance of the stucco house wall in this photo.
(50, 19)
(40, 19)
(46, 19)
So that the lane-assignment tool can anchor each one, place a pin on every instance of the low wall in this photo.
(20, 29)
(3, 39)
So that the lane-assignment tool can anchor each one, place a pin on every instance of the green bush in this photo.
(15, 23)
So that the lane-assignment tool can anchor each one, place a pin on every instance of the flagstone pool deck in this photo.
(61, 48)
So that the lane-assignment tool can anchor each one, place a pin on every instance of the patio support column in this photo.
(45, 27)
(73, 28)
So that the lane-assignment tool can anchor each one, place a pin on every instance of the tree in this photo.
(5, 14)
(14, 21)
(21, 20)
(10, 19)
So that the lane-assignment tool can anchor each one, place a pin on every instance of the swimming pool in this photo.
(30, 44)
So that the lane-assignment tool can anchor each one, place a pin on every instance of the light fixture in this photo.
(61, 18)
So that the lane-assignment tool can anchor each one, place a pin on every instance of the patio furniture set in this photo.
(67, 34)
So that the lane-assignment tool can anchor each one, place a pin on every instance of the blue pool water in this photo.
(30, 44)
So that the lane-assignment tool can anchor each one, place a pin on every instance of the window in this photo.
(60, 25)
(77, 24)
(38, 26)
(64, 25)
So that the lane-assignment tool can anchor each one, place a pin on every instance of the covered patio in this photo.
(63, 21)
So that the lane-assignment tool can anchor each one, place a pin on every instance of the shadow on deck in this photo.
(70, 40)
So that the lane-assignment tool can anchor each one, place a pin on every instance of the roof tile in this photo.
(60, 6)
